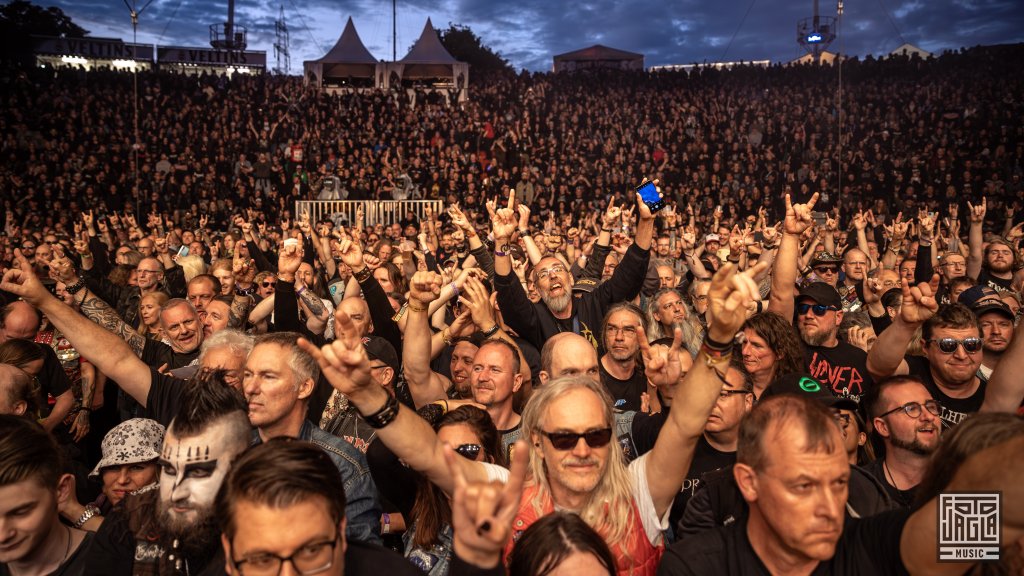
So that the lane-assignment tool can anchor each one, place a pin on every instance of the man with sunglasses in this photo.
(840, 365)
(906, 418)
(996, 321)
(826, 267)
(952, 344)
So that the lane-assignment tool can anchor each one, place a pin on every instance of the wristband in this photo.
(491, 331)
(501, 250)
(719, 347)
(385, 415)
(74, 288)
(454, 289)
(363, 275)
(386, 528)
(416, 308)
(606, 230)
(446, 337)
(299, 291)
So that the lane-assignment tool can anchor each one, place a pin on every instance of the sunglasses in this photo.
(266, 283)
(469, 451)
(949, 345)
(569, 440)
(819, 309)
(826, 269)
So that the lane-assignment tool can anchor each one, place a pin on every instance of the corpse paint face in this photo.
(191, 471)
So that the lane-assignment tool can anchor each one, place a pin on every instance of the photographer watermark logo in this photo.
(969, 526)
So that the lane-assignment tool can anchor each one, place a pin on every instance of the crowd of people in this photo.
(778, 372)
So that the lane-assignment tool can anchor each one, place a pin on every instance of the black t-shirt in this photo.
(156, 354)
(362, 558)
(902, 497)
(706, 458)
(52, 378)
(73, 566)
(867, 546)
(953, 409)
(164, 399)
(998, 284)
(844, 368)
(625, 393)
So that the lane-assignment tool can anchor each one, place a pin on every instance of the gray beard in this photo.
(556, 304)
(815, 339)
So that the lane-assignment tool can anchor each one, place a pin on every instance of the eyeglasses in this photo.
(826, 269)
(949, 345)
(727, 393)
(144, 271)
(549, 271)
(267, 283)
(913, 409)
(819, 309)
(310, 559)
(469, 451)
(569, 440)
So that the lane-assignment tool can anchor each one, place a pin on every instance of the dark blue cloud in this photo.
(530, 32)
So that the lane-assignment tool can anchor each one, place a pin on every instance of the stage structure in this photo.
(817, 32)
(348, 66)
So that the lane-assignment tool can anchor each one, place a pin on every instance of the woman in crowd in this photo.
(771, 348)
(149, 315)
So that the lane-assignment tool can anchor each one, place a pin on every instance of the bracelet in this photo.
(362, 275)
(299, 291)
(501, 250)
(385, 415)
(89, 512)
(718, 347)
(443, 404)
(523, 232)
(491, 331)
(415, 308)
(606, 230)
(386, 528)
(454, 289)
(446, 337)
(74, 288)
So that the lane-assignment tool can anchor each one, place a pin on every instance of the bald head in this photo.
(358, 312)
(568, 354)
(19, 320)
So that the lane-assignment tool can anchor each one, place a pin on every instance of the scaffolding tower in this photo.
(281, 53)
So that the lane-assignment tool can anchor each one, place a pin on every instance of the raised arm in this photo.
(730, 294)
(109, 353)
(976, 238)
(784, 274)
(886, 356)
(345, 365)
(425, 385)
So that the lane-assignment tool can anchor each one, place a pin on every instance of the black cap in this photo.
(803, 384)
(822, 293)
(381, 350)
(998, 308)
(584, 285)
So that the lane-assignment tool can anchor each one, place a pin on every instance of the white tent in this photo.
(909, 49)
(347, 65)
(429, 65)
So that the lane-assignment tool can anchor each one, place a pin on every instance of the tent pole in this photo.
(394, 30)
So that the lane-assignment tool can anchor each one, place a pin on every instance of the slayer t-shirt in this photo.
(844, 368)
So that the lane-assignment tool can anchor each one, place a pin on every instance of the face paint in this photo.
(191, 471)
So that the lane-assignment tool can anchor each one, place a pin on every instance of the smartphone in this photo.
(819, 218)
(649, 194)
(183, 251)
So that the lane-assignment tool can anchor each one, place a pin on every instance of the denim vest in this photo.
(433, 561)
(361, 507)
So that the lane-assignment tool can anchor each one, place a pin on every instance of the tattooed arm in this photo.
(239, 313)
(101, 313)
(318, 313)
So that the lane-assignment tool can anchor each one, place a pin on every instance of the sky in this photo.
(529, 32)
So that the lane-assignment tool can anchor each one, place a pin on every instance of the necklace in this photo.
(892, 479)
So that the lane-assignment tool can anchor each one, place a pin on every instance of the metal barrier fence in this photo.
(343, 212)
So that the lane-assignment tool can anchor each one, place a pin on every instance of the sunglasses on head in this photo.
(826, 269)
(569, 440)
(469, 451)
(949, 345)
(819, 309)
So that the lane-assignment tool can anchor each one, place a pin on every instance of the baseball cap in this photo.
(381, 350)
(997, 307)
(822, 293)
(712, 238)
(978, 295)
(803, 384)
(825, 258)
(584, 285)
(130, 442)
